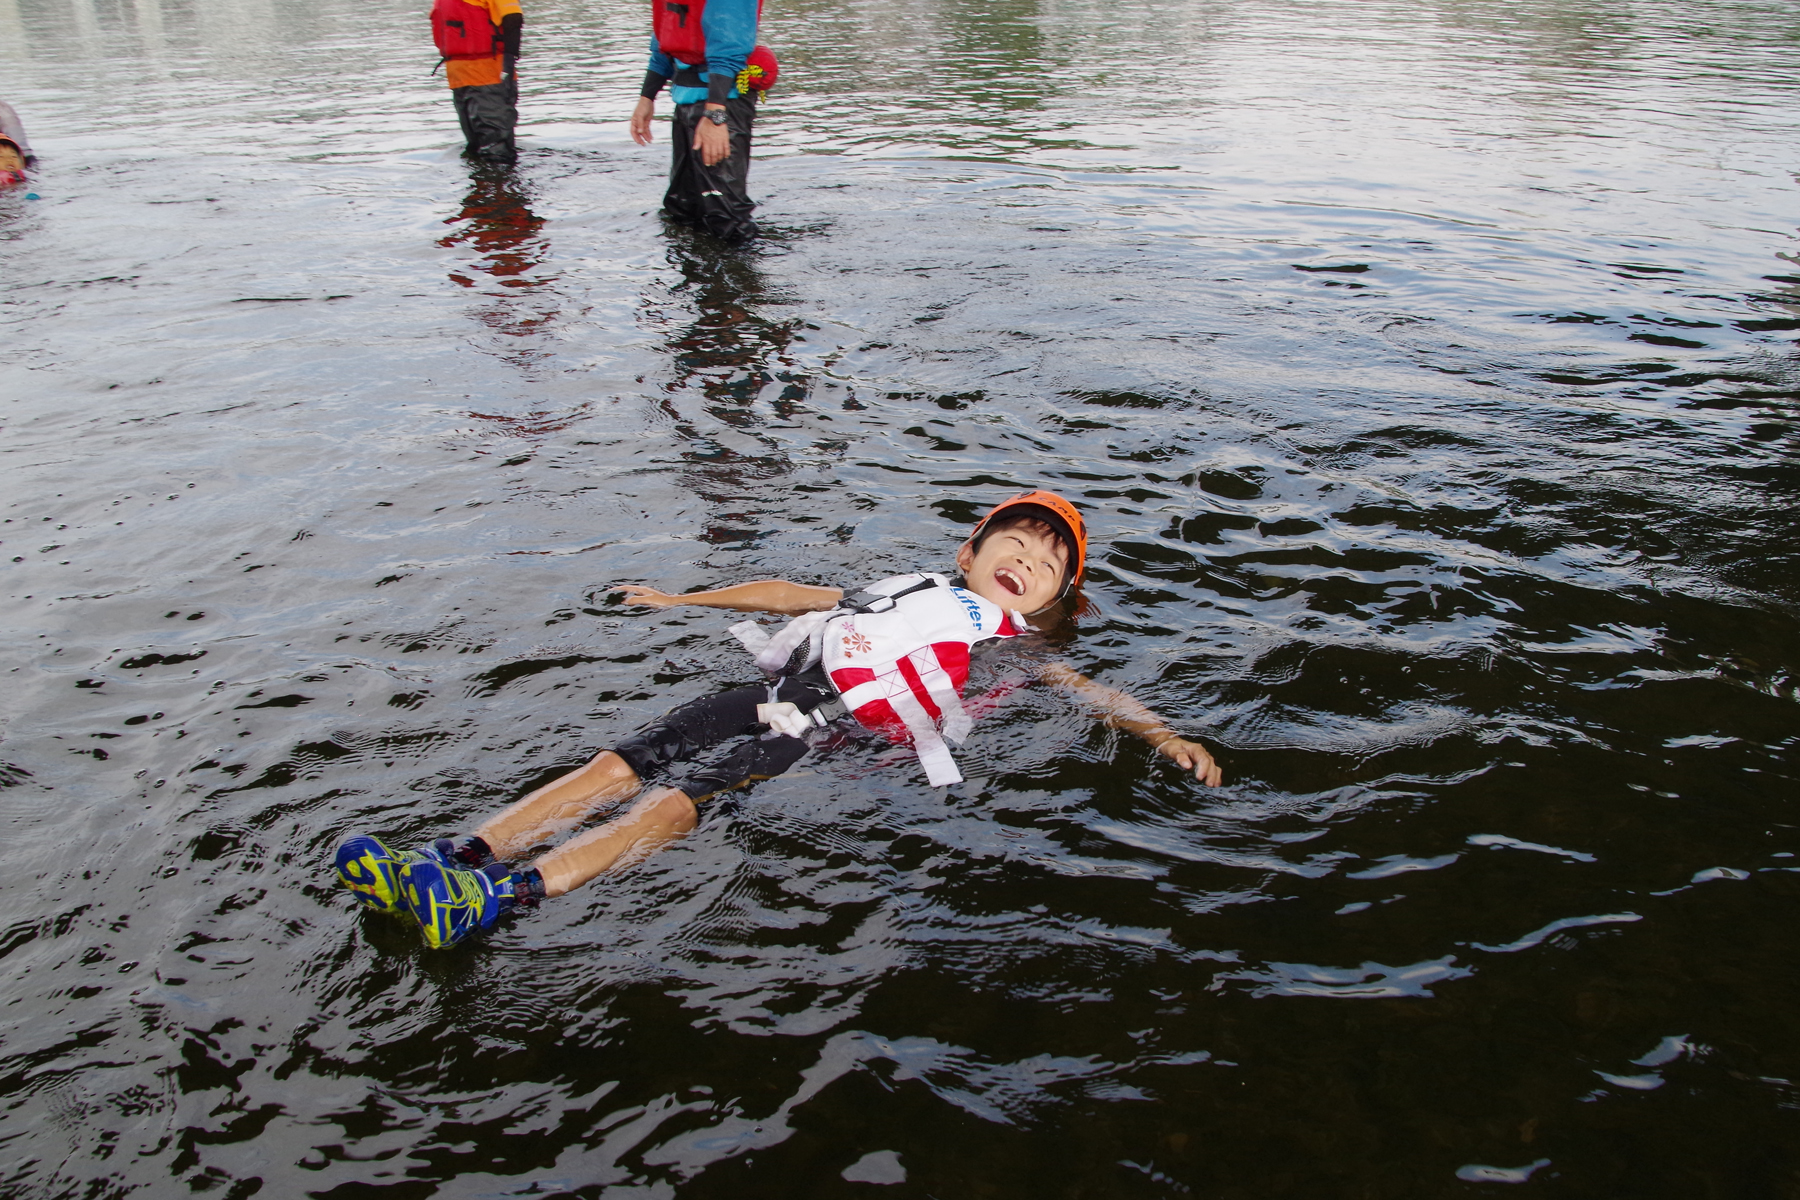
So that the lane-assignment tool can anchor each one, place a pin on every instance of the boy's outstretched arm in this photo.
(762, 595)
(1122, 712)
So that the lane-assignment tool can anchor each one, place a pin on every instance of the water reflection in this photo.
(995, 43)
(510, 265)
(726, 354)
(1788, 294)
(728, 349)
(82, 29)
(1481, 572)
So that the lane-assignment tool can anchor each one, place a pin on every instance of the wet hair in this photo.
(1035, 524)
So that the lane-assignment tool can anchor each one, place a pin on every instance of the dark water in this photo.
(1428, 375)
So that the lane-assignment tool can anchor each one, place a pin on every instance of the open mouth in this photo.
(1009, 581)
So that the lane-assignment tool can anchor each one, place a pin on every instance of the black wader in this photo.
(712, 198)
(488, 113)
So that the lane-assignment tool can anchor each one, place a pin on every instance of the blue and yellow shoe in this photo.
(452, 902)
(372, 871)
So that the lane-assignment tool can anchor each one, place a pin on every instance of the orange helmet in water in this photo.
(1053, 511)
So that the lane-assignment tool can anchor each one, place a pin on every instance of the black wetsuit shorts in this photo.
(699, 725)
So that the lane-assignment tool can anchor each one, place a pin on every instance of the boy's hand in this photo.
(632, 593)
(1193, 756)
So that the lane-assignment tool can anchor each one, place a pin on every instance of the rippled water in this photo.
(1427, 374)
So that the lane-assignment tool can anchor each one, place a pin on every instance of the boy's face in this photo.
(1017, 567)
(10, 158)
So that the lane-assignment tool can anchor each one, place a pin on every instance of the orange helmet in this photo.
(1053, 511)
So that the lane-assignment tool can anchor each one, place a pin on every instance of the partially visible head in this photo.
(11, 157)
(1026, 553)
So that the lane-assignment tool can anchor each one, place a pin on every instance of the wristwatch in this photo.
(715, 115)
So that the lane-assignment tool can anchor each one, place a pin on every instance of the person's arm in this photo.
(512, 28)
(659, 71)
(730, 27)
(660, 63)
(1120, 711)
(763, 595)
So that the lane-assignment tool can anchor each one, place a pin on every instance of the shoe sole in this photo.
(369, 870)
(417, 881)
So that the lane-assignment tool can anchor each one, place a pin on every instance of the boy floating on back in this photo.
(892, 658)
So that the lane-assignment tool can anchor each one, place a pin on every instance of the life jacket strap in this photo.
(928, 744)
(832, 710)
(874, 602)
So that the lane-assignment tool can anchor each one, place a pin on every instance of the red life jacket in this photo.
(463, 30)
(898, 654)
(677, 25)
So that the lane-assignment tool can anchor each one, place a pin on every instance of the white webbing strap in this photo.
(934, 756)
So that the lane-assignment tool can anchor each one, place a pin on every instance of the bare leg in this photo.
(656, 819)
(559, 805)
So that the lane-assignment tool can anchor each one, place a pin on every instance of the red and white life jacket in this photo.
(898, 654)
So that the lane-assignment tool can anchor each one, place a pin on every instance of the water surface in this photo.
(1427, 374)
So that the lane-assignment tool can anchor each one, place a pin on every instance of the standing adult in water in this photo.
(699, 48)
(479, 40)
